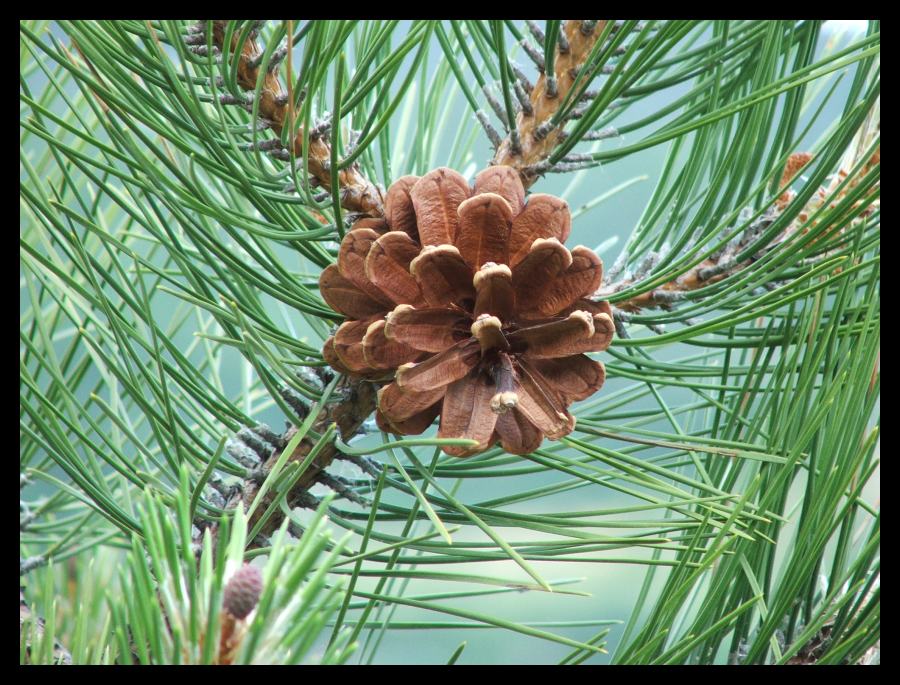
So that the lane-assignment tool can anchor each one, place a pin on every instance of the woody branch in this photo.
(534, 138)
(357, 193)
(723, 263)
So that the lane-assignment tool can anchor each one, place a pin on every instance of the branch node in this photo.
(542, 131)
(370, 466)
(526, 84)
(340, 486)
(257, 475)
(263, 145)
(619, 320)
(307, 375)
(515, 143)
(262, 447)
(578, 157)
(495, 105)
(493, 136)
(538, 168)
(266, 433)
(262, 124)
(31, 563)
(203, 51)
(533, 54)
(297, 403)
(565, 167)
(524, 100)
(666, 296)
(306, 500)
(646, 266)
(254, 62)
(723, 266)
(602, 134)
(321, 129)
(277, 58)
(27, 517)
(535, 31)
(550, 88)
(257, 25)
(577, 112)
(226, 491)
(245, 101)
(241, 453)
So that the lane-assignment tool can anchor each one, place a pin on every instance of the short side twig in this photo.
(534, 131)
(358, 194)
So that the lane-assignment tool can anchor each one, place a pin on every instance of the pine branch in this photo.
(358, 396)
(533, 128)
(707, 272)
(356, 403)
(723, 264)
(358, 194)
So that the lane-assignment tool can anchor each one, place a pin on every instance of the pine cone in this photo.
(470, 302)
(242, 592)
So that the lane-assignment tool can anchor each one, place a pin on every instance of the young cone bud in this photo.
(242, 591)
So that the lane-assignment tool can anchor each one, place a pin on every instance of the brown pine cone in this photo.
(468, 299)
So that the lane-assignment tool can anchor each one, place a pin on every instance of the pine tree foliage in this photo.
(183, 185)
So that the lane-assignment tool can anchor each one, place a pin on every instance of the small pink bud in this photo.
(242, 591)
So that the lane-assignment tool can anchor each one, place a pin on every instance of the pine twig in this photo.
(711, 270)
(358, 194)
(723, 263)
(356, 405)
(533, 129)
(536, 31)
